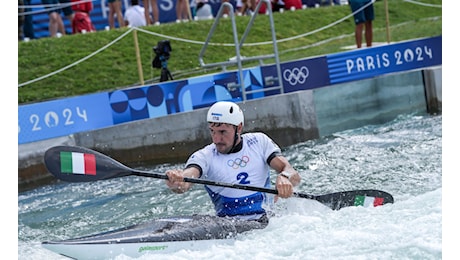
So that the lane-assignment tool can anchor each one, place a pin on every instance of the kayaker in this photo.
(233, 157)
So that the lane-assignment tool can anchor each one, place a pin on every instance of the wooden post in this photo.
(387, 22)
(189, 12)
(138, 57)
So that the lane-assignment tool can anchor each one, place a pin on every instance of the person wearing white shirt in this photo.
(233, 157)
(203, 10)
(134, 15)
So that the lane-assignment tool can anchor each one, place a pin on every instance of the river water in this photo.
(402, 157)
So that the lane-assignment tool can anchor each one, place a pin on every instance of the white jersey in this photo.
(205, 12)
(135, 16)
(246, 167)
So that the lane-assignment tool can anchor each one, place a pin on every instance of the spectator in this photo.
(247, 7)
(82, 21)
(275, 4)
(182, 10)
(312, 3)
(28, 28)
(115, 10)
(363, 18)
(226, 10)
(151, 5)
(68, 13)
(55, 20)
(239, 6)
(135, 15)
(20, 19)
(203, 10)
(334, 2)
(292, 4)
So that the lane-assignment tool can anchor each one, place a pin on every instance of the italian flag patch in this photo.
(78, 163)
(368, 201)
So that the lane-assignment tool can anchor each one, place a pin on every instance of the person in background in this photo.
(55, 20)
(81, 22)
(135, 15)
(362, 18)
(68, 13)
(153, 5)
(226, 10)
(233, 157)
(115, 10)
(247, 7)
(203, 10)
(21, 20)
(182, 10)
(292, 4)
(28, 27)
(276, 5)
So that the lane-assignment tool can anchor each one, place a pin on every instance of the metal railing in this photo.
(270, 80)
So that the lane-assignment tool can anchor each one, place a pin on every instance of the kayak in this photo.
(158, 236)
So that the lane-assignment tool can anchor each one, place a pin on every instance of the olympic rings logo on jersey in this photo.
(238, 162)
(296, 75)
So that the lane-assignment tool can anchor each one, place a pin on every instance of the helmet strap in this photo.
(235, 139)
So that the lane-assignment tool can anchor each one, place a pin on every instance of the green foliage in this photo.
(70, 66)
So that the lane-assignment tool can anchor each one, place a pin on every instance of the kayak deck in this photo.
(162, 235)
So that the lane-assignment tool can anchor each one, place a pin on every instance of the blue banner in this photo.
(63, 117)
(371, 62)
(301, 74)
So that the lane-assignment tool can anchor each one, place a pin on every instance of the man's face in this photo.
(222, 136)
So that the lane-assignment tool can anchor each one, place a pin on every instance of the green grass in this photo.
(41, 62)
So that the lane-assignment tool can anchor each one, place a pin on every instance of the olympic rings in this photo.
(238, 162)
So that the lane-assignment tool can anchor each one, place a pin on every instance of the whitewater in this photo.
(402, 157)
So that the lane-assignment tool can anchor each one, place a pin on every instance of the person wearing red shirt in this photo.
(81, 21)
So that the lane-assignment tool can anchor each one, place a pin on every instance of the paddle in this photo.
(79, 164)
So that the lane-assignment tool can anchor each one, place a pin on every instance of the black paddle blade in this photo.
(79, 164)
(365, 198)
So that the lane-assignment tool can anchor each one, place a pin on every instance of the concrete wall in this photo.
(289, 118)
(372, 101)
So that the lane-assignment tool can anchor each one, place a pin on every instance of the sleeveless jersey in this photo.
(247, 167)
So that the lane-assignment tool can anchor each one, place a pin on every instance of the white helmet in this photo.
(225, 112)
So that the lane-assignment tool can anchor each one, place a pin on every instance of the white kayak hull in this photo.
(134, 250)
(159, 236)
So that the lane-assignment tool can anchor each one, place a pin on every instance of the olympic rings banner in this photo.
(63, 117)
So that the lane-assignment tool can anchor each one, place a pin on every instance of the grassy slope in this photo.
(115, 66)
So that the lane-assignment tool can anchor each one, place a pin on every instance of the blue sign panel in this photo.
(77, 114)
(371, 62)
(301, 74)
(63, 117)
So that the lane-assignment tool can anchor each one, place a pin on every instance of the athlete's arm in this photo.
(287, 178)
(176, 178)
